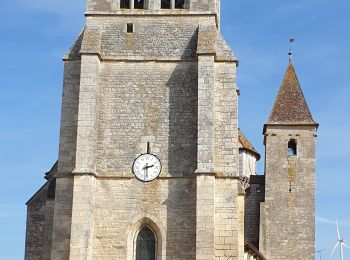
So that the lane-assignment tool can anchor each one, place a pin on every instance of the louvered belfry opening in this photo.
(139, 4)
(179, 4)
(146, 245)
(165, 4)
(125, 4)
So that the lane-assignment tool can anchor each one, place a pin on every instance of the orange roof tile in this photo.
(247, 145)
(290, 106)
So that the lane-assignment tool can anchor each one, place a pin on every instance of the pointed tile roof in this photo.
(247, 145)
(290, 106)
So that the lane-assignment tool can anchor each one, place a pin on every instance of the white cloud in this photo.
(333, 222)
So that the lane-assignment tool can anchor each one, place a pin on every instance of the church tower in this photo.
(148, 154)
(151, 163)
(287, 228)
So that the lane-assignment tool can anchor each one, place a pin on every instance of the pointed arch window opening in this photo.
(292, 147)
(145, 247)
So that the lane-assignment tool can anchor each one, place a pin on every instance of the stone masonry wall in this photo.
(62, 219)
(69, 116)
(35, 225)
(168, 203)
(151, 5)
(152, 101)
(289, 215)
(163, 38)
(227, 220)
(253, 198)
(48, 228)
(225, 111)
(205, 217)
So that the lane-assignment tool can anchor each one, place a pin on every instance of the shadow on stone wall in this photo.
(182, 158)
(183, 118)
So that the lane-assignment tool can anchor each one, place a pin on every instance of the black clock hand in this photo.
(146, 172)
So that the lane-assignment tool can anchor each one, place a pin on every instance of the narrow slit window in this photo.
(165, 4)
(129, 28)
(139, 4)
(125, 4)
(146, 245)
(292, 147)
(180, 4)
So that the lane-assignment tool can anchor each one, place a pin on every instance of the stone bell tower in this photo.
(144, 73)
(287, 228)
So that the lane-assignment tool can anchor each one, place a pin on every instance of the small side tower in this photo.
(288, 213)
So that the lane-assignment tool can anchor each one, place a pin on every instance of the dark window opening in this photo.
(292, 147)
(166, 4)
(129, 28)
(125, 4)
(180, 4)
(146, 245)
(139, 4)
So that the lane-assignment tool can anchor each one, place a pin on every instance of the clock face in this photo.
(147, 167)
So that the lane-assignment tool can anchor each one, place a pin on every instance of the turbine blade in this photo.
(338, 230)
(346, 245)
(334, 248)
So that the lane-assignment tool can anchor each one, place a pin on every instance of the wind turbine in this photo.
(341, 243)
(320, 252)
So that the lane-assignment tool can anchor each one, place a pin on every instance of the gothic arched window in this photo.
(146, 244)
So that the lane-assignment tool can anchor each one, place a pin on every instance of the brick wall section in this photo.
(294, 236)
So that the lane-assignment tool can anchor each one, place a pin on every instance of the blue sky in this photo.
(36, 34)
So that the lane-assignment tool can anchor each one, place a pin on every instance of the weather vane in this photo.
(290, 53)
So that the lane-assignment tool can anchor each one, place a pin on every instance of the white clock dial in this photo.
(147, 167)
